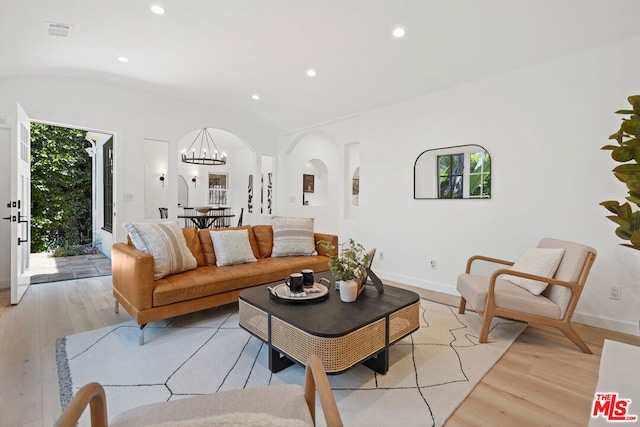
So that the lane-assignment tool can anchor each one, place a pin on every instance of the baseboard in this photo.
(5, 284)
(605, 323)
(424, 284)
(587, 319)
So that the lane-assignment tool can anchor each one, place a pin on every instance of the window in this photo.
(480, 175)
(107, 180)
(218, 188)
(450, 175)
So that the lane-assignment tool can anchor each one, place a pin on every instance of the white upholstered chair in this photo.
(494, 296)
(287, 403)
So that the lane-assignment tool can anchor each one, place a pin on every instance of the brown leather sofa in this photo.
(148, 300)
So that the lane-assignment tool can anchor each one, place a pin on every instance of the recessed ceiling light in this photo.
(255, 97)
(399, 32)
(123, 59)
(311, 72)
(158, 10)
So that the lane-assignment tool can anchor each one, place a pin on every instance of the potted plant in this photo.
(348, 264)
(627, 152)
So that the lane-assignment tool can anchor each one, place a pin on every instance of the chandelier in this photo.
(204, 151)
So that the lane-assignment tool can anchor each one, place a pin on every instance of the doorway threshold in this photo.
(45, 268)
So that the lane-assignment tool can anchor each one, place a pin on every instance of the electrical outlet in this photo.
(614, 292)
(434, 264)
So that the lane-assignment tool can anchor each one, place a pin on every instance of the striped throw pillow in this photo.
(292, 237)
(166, 242)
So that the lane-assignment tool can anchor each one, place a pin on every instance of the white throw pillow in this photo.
(539, 261)
(232, 247)
(165, 241)
(292, 237)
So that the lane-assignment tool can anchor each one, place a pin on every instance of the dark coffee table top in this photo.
(331, 317)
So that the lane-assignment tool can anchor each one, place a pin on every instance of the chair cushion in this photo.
(539, 261)
(284, 401)
(232, 247)
(292, 236)
(166, 243)
(474, 289)
(569, 270)
(236, 419)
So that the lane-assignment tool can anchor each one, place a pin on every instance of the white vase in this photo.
(348, 290)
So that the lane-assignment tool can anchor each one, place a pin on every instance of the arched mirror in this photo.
(458, 172)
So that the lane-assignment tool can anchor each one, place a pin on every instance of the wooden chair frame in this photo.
(93, 395)
(491, 309)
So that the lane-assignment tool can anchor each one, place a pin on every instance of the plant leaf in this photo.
(625, 223)
(623, 234)
(611, 205)
(625, 212)
(622, 154)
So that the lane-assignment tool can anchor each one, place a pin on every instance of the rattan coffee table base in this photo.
(289, 343)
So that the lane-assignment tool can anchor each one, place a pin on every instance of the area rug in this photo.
(430, 372)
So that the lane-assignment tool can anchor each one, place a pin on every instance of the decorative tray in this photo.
(282, 293)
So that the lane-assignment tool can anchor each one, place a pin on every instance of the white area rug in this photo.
(430, 372)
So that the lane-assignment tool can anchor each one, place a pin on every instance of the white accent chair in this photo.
(494, 296)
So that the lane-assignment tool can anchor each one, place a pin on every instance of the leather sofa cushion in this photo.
(193, 243)
(264, 237)
(211, 280)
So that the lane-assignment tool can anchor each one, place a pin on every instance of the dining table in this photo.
(217, 217)
(207, 221)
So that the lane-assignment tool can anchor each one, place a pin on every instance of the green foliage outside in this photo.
(451, 172)
(480, 175)
(60, 190)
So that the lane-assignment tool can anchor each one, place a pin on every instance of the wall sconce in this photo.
(162, 179)
(194, 180)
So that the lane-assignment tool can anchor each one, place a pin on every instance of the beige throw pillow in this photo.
(232, 247)
(292, 236)
(166, 242)
(539, 261)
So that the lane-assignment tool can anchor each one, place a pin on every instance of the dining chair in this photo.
(240, 217)
(187, 221)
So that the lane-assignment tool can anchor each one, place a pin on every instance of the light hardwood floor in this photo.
(543, 379)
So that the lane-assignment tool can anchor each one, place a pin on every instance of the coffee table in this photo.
(341, 334)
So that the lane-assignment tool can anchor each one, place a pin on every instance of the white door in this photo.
(20, 203)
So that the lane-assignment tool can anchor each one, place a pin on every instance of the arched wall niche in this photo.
(352, 181)
(315, 183)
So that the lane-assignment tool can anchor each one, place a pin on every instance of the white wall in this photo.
(156, 192)
(544, 126)
(132, 115)
(325, 143)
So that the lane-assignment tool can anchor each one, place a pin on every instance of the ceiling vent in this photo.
(56, 29)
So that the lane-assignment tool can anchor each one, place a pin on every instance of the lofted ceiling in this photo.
(222, 52)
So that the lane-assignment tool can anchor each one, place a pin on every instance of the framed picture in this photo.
(308, 182)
